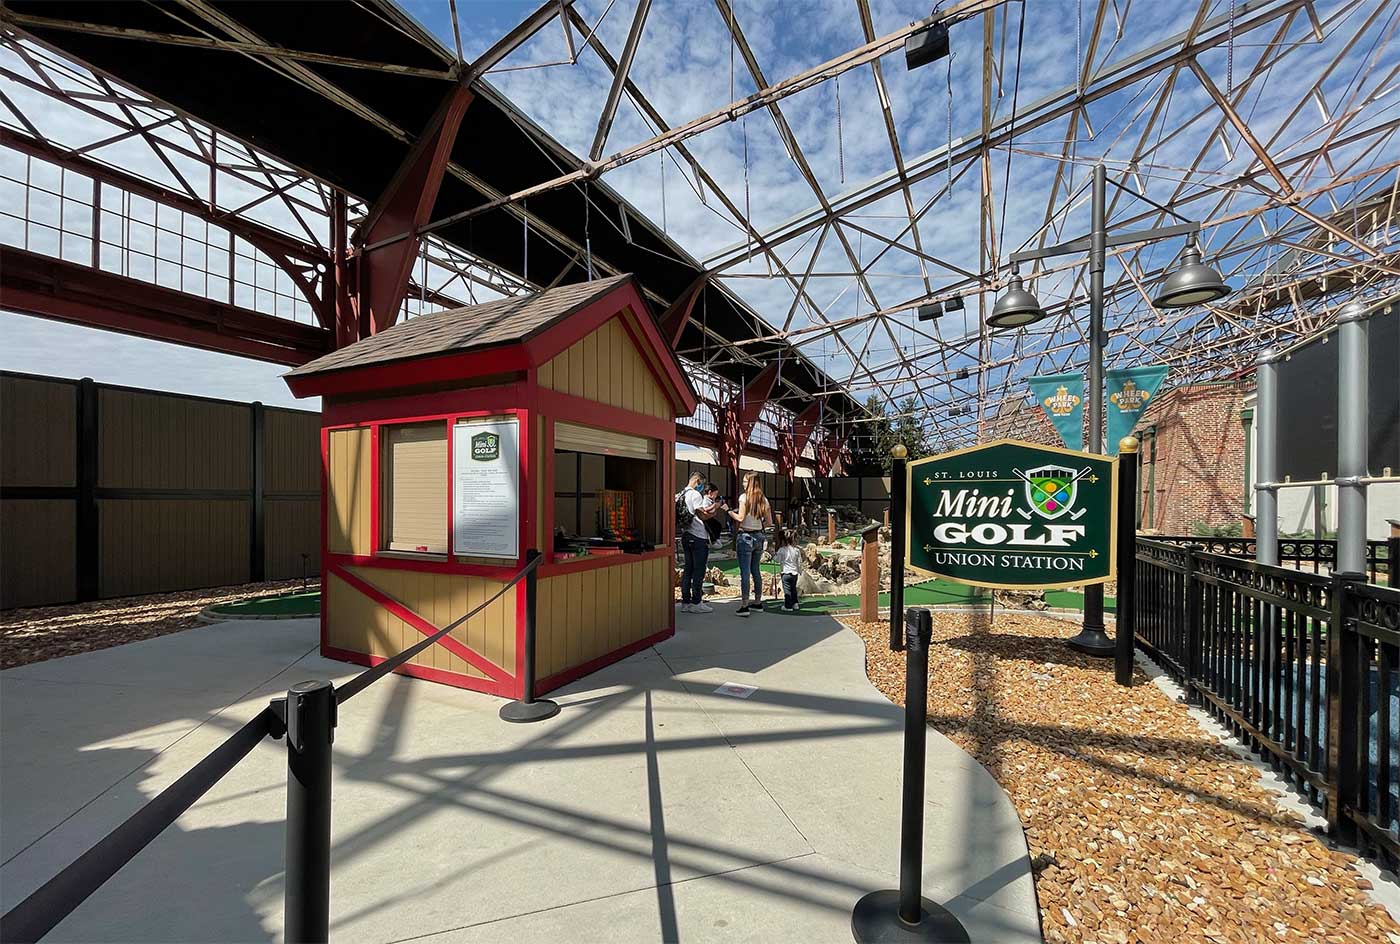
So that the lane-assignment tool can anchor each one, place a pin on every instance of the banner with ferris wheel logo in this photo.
(1061, 396)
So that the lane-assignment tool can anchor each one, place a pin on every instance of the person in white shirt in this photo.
(789, 560)
(702, 504)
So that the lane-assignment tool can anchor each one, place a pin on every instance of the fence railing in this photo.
(307, 718)
(1304, 668)
(1316, 555)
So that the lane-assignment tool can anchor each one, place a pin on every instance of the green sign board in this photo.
(1013, 514)
(486, 447)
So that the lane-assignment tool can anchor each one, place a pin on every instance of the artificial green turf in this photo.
(301, 603)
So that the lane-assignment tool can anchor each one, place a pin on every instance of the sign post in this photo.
(899, 502)
(1125, 621)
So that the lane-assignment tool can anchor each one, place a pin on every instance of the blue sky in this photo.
(684, 67)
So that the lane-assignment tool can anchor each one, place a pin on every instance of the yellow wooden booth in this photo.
(454, 442)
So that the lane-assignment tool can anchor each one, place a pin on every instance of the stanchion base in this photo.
(876, 920)
(523, 711)
(1093, 642)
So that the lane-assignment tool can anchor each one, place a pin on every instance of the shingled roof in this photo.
(500, 322)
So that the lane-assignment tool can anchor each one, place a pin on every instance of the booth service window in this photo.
(607, 490)
(413, 469)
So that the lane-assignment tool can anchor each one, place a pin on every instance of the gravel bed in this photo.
(1141, 825)
(39, 633)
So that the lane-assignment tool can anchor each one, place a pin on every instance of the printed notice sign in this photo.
(1013, 514)
(486, 488)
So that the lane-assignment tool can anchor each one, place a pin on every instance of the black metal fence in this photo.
(1304, 668)
(306, 717)
(1314, 555)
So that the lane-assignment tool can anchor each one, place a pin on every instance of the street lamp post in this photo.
(1191, 284)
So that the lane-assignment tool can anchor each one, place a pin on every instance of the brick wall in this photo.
(1199, 458)
(1200, 453)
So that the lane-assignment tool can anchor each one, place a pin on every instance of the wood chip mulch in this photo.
(1141, 825)
(48, 632)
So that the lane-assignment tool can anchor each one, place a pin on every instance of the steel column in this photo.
(1352, 367)
(1266, 459)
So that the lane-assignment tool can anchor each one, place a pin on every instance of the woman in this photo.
(752, 516)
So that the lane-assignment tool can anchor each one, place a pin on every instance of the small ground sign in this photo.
(1013, 514)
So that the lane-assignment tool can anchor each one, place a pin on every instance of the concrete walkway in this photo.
(654, 807)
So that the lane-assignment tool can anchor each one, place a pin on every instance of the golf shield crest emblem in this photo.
(1050, 489)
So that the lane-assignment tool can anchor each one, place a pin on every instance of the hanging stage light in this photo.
(1194, 283)
(931, 311)
(928, 44)
(1016, 308)
(955, 303)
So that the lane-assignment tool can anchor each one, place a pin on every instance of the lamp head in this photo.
(1017, 308)
(1193, 283)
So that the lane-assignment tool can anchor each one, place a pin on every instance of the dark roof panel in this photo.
(504, 321)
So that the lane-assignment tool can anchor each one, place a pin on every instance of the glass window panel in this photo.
(216, 261)
(42, 239)
(77, 248)
(12, 197)
(168, 218)
(284, 307)
(11, 230)
(141, 209)
(77, 186)
(193, 280)
(112, 198)
(110, 258)
(43, 208)
(243, 269)
(168, 273)
(113, 229)
(46, 176)
(263, 301)
(13, 164)
(141, 266)
(194, 253)
(218, 236)
(77, 217)
(264, 277)
(195, 227)
(168, 245)
(141, 237)
(218, 288)
(243, 295)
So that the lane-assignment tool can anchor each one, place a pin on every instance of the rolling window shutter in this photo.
(416, 461)
(577, 438)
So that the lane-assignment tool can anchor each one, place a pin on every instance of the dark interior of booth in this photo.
(605, 503)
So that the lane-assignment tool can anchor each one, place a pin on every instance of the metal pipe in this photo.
(918, 625)
(529, 708)
(1092, 639)
(1266, 453)
(1352, 367)
(1125, 621)
(311, 717)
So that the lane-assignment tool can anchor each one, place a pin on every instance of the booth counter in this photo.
(454, 442)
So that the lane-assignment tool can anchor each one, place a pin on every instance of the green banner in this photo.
(1129, 390)
(1013, 514)
(1061, 397)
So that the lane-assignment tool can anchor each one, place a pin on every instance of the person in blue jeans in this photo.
(752, 516)
(702, 502)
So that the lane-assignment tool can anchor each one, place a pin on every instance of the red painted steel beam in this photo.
(673, 322)
(64, 291)
(792, 442)
(406, 204)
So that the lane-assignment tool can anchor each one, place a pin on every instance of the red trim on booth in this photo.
(325, 531)
(426, 673)
(376, 490)
(451, 437)
(564, 406)
(422, 625)
(451, 366)
(425, 566)
(593, 665)
(577, 565)
(483, 401)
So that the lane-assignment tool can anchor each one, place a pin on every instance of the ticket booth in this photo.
(454, 442)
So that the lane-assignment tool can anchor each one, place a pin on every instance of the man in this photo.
(703, 504)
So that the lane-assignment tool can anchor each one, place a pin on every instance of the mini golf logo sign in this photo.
(1013, 514)
(486, 447)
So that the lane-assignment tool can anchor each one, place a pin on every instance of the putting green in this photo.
(286, 606)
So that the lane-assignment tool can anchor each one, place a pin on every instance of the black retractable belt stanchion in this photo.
(1125, 615)
(905, 915)
(899, 503)
(528, 708)
(311, 717)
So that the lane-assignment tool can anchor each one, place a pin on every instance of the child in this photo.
(789, 558)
